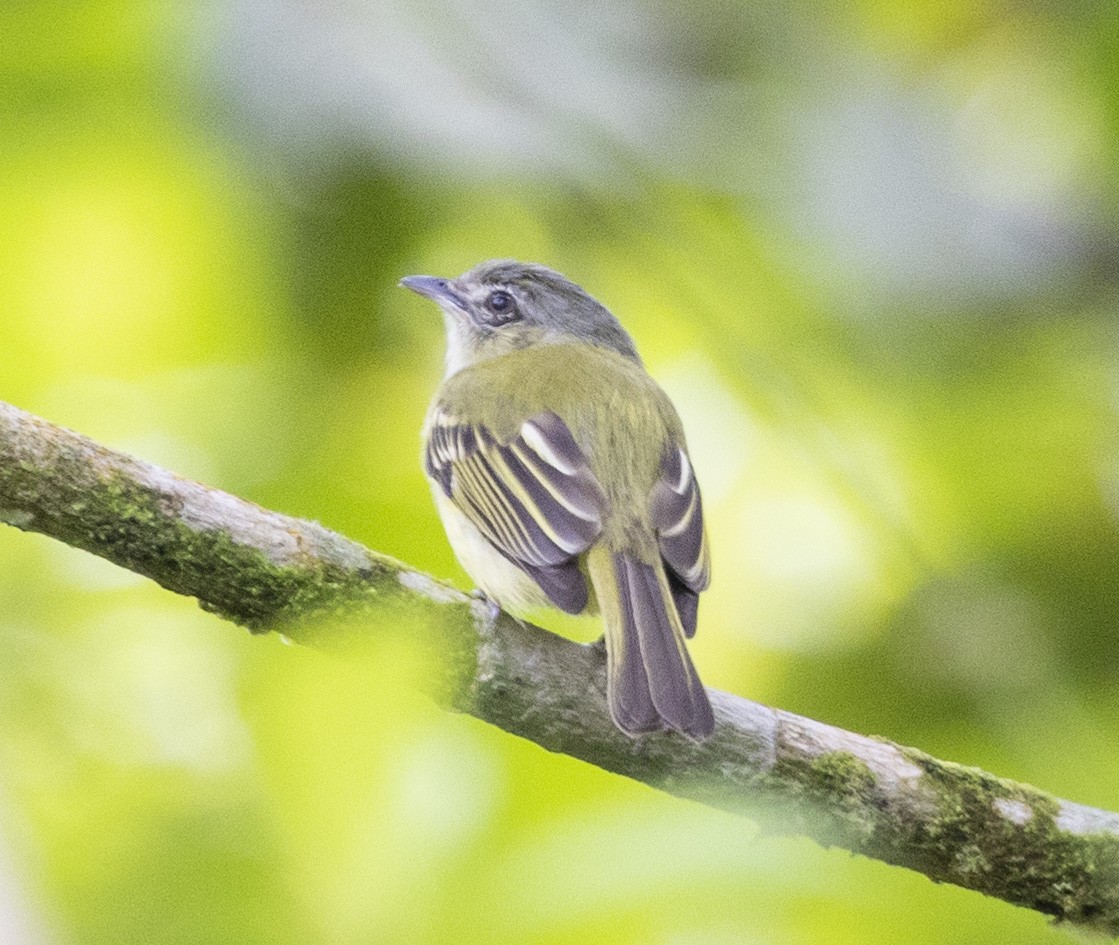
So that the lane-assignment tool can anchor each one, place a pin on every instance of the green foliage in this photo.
(866, 251)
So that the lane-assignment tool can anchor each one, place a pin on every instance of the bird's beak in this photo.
(436, 289)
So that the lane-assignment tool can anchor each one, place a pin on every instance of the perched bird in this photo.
(557, 463)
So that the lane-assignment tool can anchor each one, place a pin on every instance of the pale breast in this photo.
(500, 579)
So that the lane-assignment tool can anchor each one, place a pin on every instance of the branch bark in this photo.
(266, 571)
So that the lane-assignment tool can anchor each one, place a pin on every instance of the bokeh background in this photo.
(869, 249)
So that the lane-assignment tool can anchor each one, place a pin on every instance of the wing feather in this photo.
(534, 498)
(676, 512)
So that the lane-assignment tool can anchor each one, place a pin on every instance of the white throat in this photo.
(457, 355)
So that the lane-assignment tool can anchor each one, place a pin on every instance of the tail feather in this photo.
(627, 684)
(652, 683)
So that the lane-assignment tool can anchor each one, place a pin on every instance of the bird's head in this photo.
(502, 306)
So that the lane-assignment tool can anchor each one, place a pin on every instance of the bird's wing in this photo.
(676, 512)
(534, 497)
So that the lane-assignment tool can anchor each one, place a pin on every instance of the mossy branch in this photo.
(266, 571)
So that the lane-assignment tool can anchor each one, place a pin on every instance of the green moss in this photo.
(134, 527)
(137, 528)
(836, 791)
(969, 840)
(62, 494)
(955, 824)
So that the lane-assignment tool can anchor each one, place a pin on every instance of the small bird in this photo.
(562, 477)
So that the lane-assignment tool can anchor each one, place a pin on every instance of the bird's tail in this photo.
(651, 682)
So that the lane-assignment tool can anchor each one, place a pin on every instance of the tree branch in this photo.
(267, 571)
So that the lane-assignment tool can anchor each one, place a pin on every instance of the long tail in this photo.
(651, 682)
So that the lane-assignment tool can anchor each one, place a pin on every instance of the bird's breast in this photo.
(500, 579)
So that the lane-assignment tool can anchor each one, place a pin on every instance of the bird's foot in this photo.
(493, 608)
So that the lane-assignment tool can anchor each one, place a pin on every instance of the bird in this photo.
(562, 478)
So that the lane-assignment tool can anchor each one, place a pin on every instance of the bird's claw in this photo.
(493, 608)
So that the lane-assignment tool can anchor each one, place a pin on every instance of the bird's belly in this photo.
(501, 580)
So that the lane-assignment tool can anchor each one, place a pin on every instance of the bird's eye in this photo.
(501, 306)
(499, 301)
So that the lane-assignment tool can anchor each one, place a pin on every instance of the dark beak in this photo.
(434, 288)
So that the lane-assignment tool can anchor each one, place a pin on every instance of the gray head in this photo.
(501, 305)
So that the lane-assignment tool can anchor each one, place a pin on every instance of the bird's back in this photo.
(616, 412)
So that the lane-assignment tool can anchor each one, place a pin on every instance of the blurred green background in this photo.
(869, 249)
